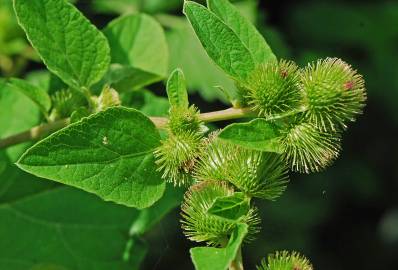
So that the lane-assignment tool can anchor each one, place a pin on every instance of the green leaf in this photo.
(210, 258)
(108, 154)
(70, 46)
(244, 29)
(177, 89)
(36, 94)
(139, 47)
(61, 216)
(258, 134)
(231, 207)
(67, 220)
(222, 44)
(184, 46)
(64, 228)
(17, 114)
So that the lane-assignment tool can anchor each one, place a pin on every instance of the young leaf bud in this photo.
(334, 93)
(201, 226)
(309, 149)
(258, 174)
(176, 157)
(109, 98)
(274, 88)
(285, 261)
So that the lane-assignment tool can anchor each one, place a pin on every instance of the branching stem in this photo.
(42, 130)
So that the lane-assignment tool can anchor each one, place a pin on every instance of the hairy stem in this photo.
(34, 133)
(42, 130)
(237, 264)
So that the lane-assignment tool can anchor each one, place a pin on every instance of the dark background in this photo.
(345, 217)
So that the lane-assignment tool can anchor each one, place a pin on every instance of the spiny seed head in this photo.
(176, 157)
(184, 120)
(285, 261)
(309, 149)
(274, 88)
(258, 174)
(200, 226)
(65, 102)
(333, 92)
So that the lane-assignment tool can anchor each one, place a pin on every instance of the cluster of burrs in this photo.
(313, 106)
(310, 106)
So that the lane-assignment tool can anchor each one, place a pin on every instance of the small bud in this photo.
(109, 98)
(274, 88)
(200, 226)
(285, 261)
(309, 149)
(334, 93)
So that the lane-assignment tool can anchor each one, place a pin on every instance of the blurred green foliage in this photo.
(14, 49)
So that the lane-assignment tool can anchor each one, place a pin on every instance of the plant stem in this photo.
(88, 95)
(228, 114)
(42, 130)
(237, 264)
(34, 133)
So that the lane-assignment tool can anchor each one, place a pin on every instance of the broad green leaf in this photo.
(185, 46)
(244, 29)
(210, 258)
(46, 80)
(202, 75)
(108, 154)
(70, 46)
(231, 207)
(59, 216)
(18, 113)
(64, 228)
(258, 134)
(36, 94)
(222, 44)
(177, 89)
(15, 184)
(67, 220)
(139, 47)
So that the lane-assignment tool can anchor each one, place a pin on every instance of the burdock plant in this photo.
(293, 116)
